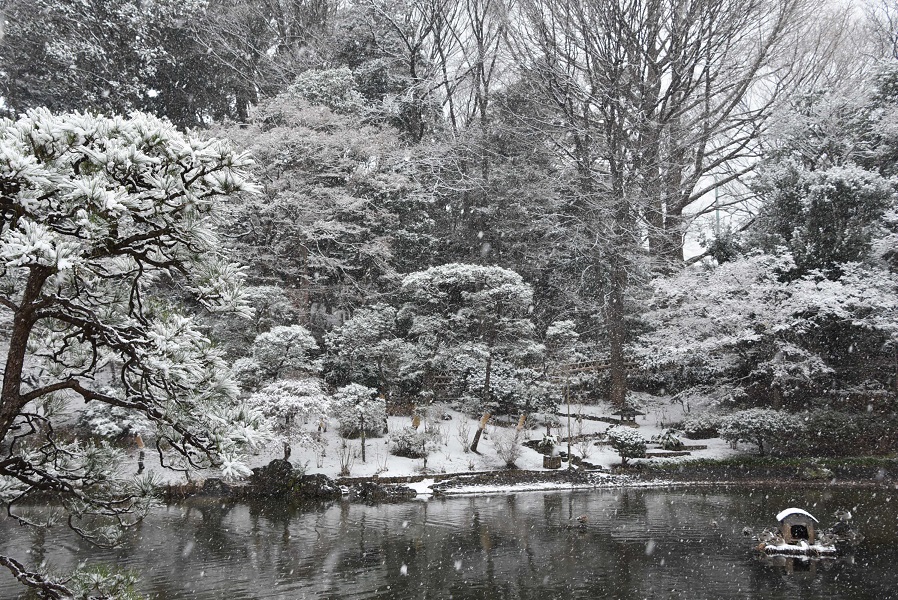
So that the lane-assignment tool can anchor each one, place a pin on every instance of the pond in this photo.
(635, 543)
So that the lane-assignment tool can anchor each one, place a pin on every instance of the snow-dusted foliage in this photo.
(758, 426)
(292, 401)
(370, 348)
(468, 371)
(117, 69)
(562, 342)
(824, 217)
(107, 421)
(668, 440)
(357, 408)
(412, 442)
(271, 306)
(746, 321)
(284, 350)
(334, 88)
(471, 319)
(99, 217)
(341, 213)
(628, 442)
(548, 444)
(700, 426)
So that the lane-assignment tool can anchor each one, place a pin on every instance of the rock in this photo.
(316, 487)
(273, 480)
(279, 480)
(216, 488)
(369, 491)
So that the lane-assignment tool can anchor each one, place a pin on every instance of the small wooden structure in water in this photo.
(797, 525)
(797, 535)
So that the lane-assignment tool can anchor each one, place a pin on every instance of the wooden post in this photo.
(362, 425)
(140, 453)
(567, 396)
(479, 432)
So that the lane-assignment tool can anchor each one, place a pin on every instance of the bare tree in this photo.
(258, 47)
(882, 25)
(657, 103)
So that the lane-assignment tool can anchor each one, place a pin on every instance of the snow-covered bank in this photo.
(337, 458)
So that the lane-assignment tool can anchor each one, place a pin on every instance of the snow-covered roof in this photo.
(793, 511)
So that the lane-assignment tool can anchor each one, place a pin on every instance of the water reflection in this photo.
(605, 544)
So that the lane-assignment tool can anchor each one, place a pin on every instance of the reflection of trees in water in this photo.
(515, 546)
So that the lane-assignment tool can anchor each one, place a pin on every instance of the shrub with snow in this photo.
(284, 349)
(413, 443)
(547, 445)
(627, 442)
(292, 400)
(356, 406)
(758, 426)
(668, 440)
(248, 372)
(508, 446)
(700, 426)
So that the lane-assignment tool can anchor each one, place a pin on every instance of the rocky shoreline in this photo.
(279, 482)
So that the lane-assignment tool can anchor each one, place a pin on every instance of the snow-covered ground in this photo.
(454, 436)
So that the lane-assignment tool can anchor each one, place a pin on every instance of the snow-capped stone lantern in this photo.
(797, 525)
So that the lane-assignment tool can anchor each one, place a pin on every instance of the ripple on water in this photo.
(597, 544)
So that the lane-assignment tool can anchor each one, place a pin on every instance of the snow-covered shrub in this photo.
(468, 369)
(271, 306)
(758, 426)
(778, 333)
(700, 426)
(836, 433)
(291, 402)
(369, 349)
(110, 422)
(284, 349)
(547, 445)
(355, 407)
(413, 443)
(248, 372)
(334, 88)
(668, 440)
(508, 446)
(627, 442)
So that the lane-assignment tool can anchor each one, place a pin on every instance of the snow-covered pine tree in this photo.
(97, 215)
(483, 309)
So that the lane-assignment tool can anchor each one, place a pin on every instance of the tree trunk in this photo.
(486, 399)
(616, 326)
(304, 300)
(22, 324)
(362, 424)
(483, 421)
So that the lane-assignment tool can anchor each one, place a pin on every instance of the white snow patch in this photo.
(794, 511)
(423, 488)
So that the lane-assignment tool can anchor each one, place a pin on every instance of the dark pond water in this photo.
(636, 544)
